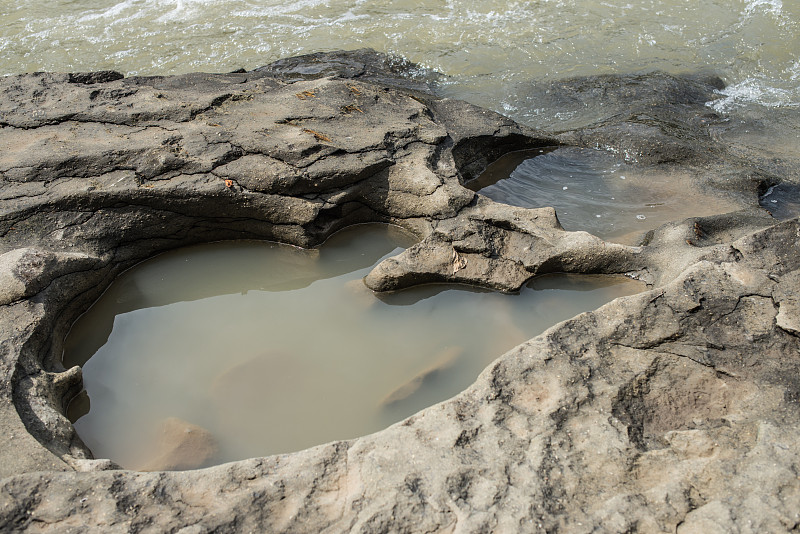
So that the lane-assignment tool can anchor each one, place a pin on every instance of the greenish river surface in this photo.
(491, 49)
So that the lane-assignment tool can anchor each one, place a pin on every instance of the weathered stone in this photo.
(654, 117)
(658, 412)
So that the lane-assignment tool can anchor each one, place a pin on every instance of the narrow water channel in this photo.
(254, 348)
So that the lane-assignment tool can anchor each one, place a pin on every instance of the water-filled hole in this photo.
(597, 192)
(240, 349)
(782, 201)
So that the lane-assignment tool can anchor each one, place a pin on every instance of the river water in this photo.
(490, 49)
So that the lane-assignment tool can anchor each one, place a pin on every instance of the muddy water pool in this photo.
(272, 348)
(597, 192)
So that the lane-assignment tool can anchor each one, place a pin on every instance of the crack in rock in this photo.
(656, 413)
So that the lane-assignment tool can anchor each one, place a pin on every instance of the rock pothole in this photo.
(258, 349)
(258, 155)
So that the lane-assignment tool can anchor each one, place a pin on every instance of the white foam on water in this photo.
(114, 12)
(794, 71)
(299, 7)
(753, 91)
(349, 16)
(186, 10)
(774, 7)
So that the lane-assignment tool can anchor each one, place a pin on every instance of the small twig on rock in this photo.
(318, 135)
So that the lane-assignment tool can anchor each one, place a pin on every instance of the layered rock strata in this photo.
(673, 410)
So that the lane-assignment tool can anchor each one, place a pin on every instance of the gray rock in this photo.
(672, 410)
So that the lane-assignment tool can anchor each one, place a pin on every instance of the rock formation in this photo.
(673, 410)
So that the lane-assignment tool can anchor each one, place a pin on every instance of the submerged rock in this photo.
(655, 413)
(245, 383)
(441, 362)
(181, 445)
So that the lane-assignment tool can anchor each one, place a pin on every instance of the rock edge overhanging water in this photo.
(656, 412)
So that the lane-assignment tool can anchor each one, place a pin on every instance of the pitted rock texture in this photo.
(675, 410)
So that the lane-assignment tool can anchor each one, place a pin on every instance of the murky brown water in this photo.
(491, 53)
(597, 192)
(272, 348)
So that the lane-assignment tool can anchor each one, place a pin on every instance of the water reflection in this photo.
(782, 201)
(596, 192)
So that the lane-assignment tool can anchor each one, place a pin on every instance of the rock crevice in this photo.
(649, 414)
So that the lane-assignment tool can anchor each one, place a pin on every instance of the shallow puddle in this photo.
(782, 201)
(596, 192)
(241, 349)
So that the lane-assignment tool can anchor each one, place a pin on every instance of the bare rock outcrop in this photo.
(675, 410)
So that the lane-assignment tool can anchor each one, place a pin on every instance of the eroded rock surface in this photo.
(675, 410)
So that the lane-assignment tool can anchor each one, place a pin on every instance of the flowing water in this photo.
(490, 48)
(272, 348)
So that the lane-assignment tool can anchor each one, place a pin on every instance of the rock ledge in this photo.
(675, 410)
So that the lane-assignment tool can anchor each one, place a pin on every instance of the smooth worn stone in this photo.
(658, 412)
